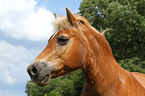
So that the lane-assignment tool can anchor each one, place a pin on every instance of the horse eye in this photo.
(62, 40)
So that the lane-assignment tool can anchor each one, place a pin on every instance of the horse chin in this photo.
(45, 81)
(47, 78)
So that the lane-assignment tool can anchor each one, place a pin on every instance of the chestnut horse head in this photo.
(68, 49)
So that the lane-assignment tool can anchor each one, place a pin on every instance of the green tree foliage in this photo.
(127, 40)
(53, 93)
(125, 18)
(134, 64)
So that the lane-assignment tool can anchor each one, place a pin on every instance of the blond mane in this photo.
(61, 22)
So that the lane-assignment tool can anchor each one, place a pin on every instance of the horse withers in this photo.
(77, 45)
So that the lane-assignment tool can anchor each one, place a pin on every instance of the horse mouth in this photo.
(45, 80)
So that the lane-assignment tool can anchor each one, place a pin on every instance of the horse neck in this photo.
(100, 68)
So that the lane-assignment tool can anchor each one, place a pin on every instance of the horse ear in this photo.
(55, 15)
(70, 17)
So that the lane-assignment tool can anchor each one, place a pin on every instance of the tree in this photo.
(134, 64)
(54, 93)
(125, 18)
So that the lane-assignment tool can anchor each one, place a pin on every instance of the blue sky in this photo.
(25, 27)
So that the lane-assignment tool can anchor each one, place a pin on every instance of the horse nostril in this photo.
(33, 71)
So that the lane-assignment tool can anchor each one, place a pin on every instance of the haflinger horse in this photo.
(77, 45)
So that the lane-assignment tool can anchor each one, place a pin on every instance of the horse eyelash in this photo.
(81, 21)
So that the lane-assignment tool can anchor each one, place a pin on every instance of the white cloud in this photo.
(11, 93)
(22, 19)
(9, 78)
(13, 62)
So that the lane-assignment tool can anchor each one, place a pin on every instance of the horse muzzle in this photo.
(39, 72)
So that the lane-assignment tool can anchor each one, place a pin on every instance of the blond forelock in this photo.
(61, 22)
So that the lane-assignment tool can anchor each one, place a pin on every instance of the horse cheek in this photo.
(77, 56)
